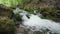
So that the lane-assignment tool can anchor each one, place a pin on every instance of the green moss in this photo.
(7, 25)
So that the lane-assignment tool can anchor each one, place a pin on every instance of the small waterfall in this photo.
(35, 23)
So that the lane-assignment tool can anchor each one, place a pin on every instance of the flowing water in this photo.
(34, 22)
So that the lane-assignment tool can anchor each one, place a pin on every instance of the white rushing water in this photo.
(35, 23)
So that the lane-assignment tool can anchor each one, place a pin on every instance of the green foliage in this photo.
(7, 25)
(29, 10)
(10, 3)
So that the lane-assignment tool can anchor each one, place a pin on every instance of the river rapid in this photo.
(34, 22)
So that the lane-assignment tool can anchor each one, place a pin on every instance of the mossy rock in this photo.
(7, 25)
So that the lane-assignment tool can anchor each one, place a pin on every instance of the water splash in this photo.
(35, 23)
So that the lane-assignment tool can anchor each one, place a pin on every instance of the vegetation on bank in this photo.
(10, 3)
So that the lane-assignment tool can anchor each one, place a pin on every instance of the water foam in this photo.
(38, 24)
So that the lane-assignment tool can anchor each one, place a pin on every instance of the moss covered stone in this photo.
(7, 26)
